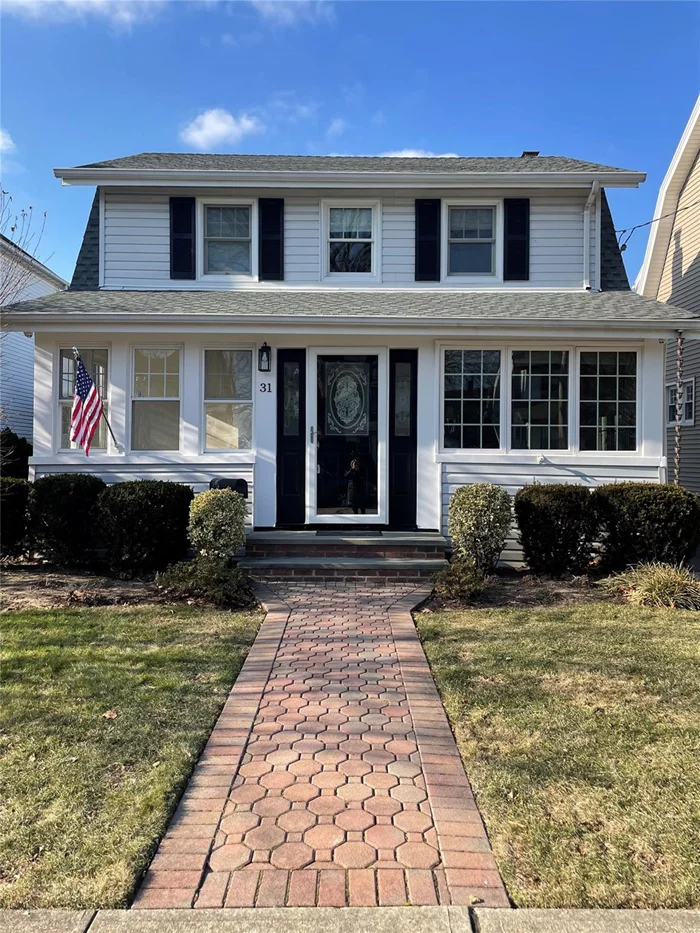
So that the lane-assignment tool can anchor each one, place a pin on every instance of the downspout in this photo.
(590, 200)
(679, 408)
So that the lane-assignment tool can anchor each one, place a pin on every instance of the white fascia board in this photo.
(649, 279)
(176, 178)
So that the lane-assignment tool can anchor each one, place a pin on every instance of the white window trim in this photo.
(203, 449)
(685, 422)
(631, 348)
(356, 278)
(59, 402)
(202, 275)
(153, 345)
(496, 346)
(477, 278)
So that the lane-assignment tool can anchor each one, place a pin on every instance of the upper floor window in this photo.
(95, 362)
(227, 239)
(608, 403)
(471, 241)
(687, 402)
(540, 400)
(351, 240)
(155, 399)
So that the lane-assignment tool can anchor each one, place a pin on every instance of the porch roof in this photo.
(393, 307)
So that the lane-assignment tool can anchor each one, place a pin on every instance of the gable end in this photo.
(86, 276)
(613, 275)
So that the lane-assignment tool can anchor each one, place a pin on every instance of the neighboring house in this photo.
(26, 278)
(671, 272)
(354, 338)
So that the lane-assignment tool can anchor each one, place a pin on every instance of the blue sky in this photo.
(84, 80)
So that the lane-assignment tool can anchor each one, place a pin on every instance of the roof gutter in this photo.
(590, 201)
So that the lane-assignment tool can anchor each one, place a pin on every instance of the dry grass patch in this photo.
(580, 730)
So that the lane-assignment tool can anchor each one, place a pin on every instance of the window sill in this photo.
(347, 278)
(531, 457)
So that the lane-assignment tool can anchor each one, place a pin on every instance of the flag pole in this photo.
(77, 357)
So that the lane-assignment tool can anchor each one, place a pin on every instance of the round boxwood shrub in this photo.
(208, 579)
(646, 522)
(557, 526)
(63, 516)
(217, 523)
(144, 524)
(14, 494)
(479, 519)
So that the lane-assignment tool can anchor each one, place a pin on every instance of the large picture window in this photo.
(95, 361)
(540, 400)
(155, 405)
(471, 241)
(227, 239)
(350, 240)
(472, 399)
(228, 399)
(608, 401)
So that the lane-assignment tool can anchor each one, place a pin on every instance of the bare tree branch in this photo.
(20, 239)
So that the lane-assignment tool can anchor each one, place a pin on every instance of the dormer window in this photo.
(471, 241)
(227, 239)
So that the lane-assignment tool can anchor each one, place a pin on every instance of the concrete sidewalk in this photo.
(352, 920)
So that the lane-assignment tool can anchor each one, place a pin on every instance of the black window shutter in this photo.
(271, 244)
(427, 239)
(182, 238)
(516, 236)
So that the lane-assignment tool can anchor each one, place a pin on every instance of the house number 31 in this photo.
(266, 387)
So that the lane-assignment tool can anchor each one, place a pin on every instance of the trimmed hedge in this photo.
(558, 527)
(210, 580)
(646, 522)
(143, 524)
(63, 516)
(479, 519)
(14, 494)
(15, 452)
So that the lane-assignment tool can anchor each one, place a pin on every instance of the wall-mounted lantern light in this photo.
(264, 359)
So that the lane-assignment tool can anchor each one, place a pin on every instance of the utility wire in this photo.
(630, 230)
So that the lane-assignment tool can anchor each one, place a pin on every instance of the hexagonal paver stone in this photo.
(246, 793)
(229, 857)
(401, 747)
(324, 806)
(283, 756)
(239, 822)
(354, 792)
(264, 837)
(327, 836)
(378, 757)
(271, 806)
(408, 793)
(276, 780)
(255, 768)
(302, 791)
(354, 767)
(330, 756)
(417, 855)
(380, 780)
(306, 767)
(405, 769)
(354, 855)
(354, 821)
(413, 821)
(291, 855)
(296, 821)
(308, 746)
(382, 806)
(384, 837)
(328, 779)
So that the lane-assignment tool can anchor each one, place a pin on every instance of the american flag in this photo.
(87, 409)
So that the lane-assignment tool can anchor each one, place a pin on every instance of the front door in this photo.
(347, 463)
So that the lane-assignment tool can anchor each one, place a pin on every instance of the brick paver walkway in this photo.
(332, 777)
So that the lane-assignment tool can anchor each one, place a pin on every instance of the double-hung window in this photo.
(227, 239)
(471, 236)
(687, 402)
(228, 399)
(155, 399)
(540, 400)
(608, 400)
(472, 391)
(351, 242)
(95, 361)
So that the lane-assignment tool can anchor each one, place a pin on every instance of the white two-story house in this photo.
(353, 337)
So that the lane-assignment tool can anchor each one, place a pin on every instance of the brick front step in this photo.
(357, 569)
(307, 544)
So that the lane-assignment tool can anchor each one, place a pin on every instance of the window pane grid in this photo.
(228, 393)
(95, 361)
(608, 401)
(472, 399)
(471, 240)
(540, 400)
(227, 239)
(350, 240)
(156, 374)
(687, 402)
(155, 406)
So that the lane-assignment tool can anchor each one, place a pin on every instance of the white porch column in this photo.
(265, 443)
(46, 416)
(652, 378)
(429, 504)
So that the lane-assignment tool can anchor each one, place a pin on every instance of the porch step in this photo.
(357, 569)
(306, 544)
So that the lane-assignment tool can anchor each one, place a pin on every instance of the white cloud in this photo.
(336, 127)
(7, 143)
(121, 14)
(215, 127)
(418, 154)
(292, 12)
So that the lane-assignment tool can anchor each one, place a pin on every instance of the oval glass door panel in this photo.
(347, 438)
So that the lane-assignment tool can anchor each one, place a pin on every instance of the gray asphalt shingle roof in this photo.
(196, 162)
(395, 307)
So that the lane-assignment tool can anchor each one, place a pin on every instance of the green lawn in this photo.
(580, 730)
(84, 796)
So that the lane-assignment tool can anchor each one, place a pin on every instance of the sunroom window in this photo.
(350, 240)
(95, 361)
(608, 403)
(155, 405)
(228, 399)
(540, 400)
(227, 239)
(471, 241)
(472, 382)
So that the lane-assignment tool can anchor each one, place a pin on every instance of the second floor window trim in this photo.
(218, 225)
(465, 222)
(347, 231)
